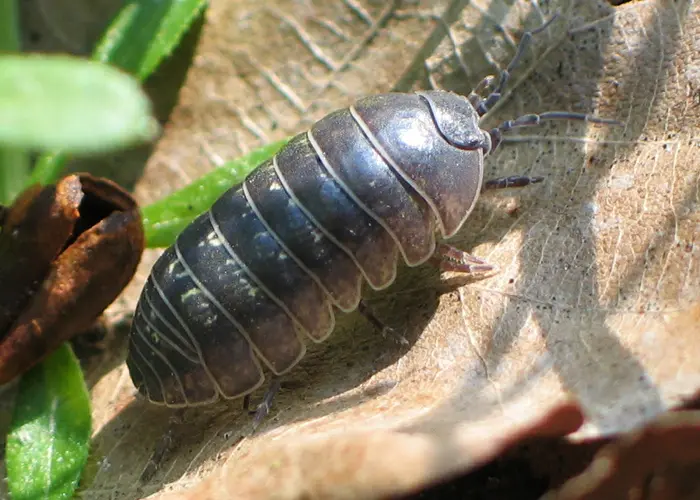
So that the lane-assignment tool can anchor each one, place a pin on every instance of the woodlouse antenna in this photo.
(534, 120)
(483, 105)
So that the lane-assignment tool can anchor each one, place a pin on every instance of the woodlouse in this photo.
(273, 257)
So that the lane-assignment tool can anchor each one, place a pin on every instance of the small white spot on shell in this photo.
(213, 239)
(192, 292)
(275, 186)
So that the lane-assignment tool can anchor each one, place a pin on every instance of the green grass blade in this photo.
(49, 102)
(9, 26)
(48, 168)
(166, 218)
(145, 32)
(14, 172)
(14, 163)
(141, 36)
(48, 443)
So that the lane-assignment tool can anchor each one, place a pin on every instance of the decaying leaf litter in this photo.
(598, 265)
(74, 246)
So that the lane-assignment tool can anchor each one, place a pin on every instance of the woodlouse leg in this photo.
(263, 409)
(449, 258)
(476, 98)
(514, 181)
(385, 330)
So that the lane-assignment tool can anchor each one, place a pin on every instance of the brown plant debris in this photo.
(66, 252)
(354, 464)
(655, 462)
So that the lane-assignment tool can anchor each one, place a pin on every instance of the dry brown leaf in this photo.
(345, 464)
(595, 263)
(648, 463)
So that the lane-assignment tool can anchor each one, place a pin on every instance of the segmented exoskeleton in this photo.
(273, 258)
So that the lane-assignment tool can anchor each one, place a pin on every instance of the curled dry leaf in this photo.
(644, 464)
(35, 229)
(67, 252)
(653, 462)
(591, 262)
(349, 464)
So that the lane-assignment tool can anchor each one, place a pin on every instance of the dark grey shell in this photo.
(263, 269)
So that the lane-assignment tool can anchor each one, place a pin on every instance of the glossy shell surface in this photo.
(268, 266)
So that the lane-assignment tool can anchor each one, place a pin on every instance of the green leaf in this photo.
(48, 443)
(141, 36)
(49, 102)
(166, 218)
(145, 32)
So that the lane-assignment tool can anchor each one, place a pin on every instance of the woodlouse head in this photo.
(457, 120)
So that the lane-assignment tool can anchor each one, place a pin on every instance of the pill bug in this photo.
(338, 206)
